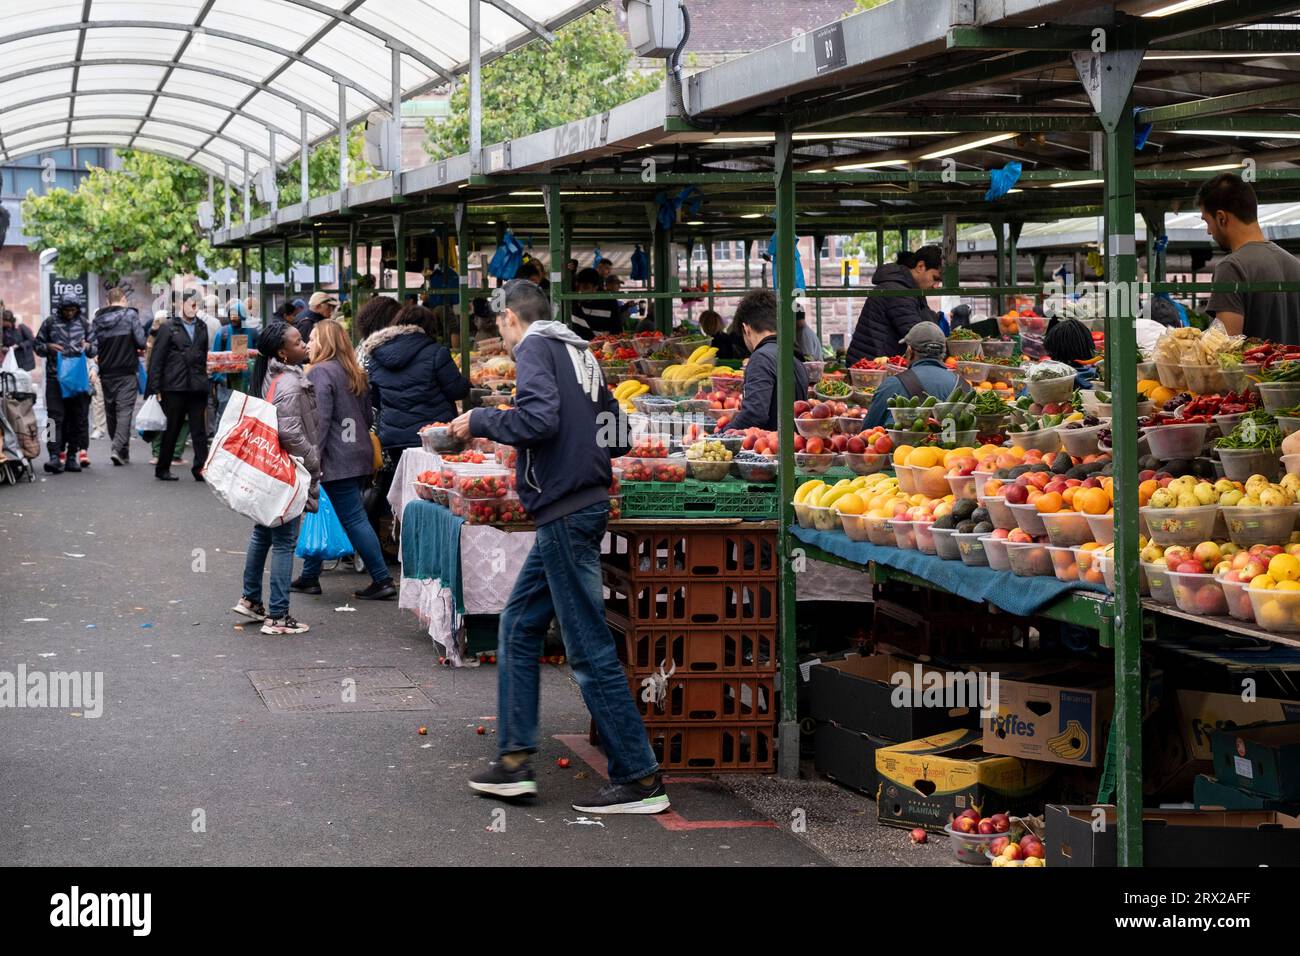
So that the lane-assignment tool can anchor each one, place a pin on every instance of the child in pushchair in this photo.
(19, 438)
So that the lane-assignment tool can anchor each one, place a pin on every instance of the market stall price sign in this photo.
(828, 48)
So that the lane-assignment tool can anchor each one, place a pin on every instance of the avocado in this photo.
(1149, 463)
(1061, 463)
(963, 509)
(1203, 468)
(966, 527)
(946, 521)
(1041, 467)
(1019, 470)
(983, 527)
(1178, 467)
(980, 515)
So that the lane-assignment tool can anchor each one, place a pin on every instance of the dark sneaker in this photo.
(628, 798)
(377, 592)
(254, 612)
(72, 464)
(167, 477)
(304, 587)
(284, 625)
(54, 466)
(116, 459)
(497, 781)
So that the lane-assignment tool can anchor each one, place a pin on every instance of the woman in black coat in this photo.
(178, 376)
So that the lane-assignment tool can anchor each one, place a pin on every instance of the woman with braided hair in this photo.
(1070, 342)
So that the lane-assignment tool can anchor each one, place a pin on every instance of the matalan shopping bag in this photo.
(247, 468)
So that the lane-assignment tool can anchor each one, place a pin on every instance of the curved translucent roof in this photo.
(203, 80)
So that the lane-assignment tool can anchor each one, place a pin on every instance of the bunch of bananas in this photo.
(702, 355)
(820, 494)
(628, 390)
(728, 371)
(687, 372)
(1071, 743)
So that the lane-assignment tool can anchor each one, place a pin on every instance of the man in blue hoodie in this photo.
(564, 424)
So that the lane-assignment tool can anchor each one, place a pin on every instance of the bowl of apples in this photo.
(972, 836)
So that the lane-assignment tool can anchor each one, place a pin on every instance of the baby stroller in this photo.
(19, 438)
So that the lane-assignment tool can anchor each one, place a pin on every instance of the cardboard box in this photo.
(1182, 838)
(1264, 760)
(924, 782)
(857, 693)
(1200, 714)
(1208, 793)
(848, 757)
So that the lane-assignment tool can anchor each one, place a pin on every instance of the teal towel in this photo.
(431, 547)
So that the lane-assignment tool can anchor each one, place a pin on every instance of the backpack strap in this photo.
(911, 383)
(270, 393)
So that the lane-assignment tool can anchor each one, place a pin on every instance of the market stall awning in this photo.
(205, 80)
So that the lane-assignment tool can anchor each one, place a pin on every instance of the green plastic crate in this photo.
(732, 498)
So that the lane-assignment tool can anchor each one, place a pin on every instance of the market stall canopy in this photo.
(205, 80)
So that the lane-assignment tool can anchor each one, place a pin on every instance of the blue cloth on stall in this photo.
(1015, 595)
(1001, 181)
(669, 206)
(640, 265)
(431, 548)
(799, 282)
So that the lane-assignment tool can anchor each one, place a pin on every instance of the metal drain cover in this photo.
(337, 690)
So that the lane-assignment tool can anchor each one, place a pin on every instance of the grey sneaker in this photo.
(497, 781)
(254, 612)
(284, 625)
(628, 798)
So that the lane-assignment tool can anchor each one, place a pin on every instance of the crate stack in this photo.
(695, 615)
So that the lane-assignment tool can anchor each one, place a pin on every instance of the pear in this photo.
(1188, 499)
(1231, 498)
(1223, 486)
(1205, 493)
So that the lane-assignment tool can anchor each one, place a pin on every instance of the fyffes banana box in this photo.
(1061, 720)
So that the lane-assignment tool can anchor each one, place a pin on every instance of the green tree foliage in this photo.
(860, 5)
(584, 72)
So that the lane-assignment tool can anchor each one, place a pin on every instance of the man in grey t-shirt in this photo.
(1230, 211)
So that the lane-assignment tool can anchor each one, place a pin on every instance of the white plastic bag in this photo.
(247, 468)
(151, 418)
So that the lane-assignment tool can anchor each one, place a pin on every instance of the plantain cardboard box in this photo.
(1082, 836)
(924, 782)
(1263, 760)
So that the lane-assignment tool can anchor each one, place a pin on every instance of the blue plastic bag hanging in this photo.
(507, 259)
(1001, 181)
(141, 376)
(640, 265)
(799, 282)
(689, 198)
(1140, 133)
(74, 376)
(322, 535)
(596, 257)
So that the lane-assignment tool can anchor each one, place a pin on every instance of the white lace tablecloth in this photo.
(490, 560)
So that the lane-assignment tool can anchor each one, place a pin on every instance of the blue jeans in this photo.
(279, 542)
(345, 496)
(561, 578)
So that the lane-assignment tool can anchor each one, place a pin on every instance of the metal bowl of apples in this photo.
(972, 835)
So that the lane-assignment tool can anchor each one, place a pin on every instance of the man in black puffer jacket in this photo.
(119, 339)
(178, 376)
(413, 379)
(886, 319)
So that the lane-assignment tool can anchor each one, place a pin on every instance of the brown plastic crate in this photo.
(739, 747)
(700, 650)
(749, 601)
(737, 698)
(702, 553)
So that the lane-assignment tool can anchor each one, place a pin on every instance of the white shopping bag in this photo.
(247, 468)
(151, 418)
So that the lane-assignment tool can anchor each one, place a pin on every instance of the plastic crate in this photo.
(691, 553)
(700, 650)
(731, 699)
(741, 747)
(702, 602)
(732, 498)
(654, 499)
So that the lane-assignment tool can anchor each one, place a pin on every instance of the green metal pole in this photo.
(399, 264)
(261, 263)
(555, 243)
(749, 248)
(783, 279)
(284, 265)
(462, 245)
(817, 280)
(662, 270)
(1155, 223)
(564, 266)
(244, 291)
(710, 275)
(1040, 268)
(999, 243)
(1013, 240)
(1121, 275)
(690, 280)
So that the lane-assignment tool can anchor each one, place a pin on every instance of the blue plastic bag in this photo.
(141, 377)
(507, 259)
(1001, 181)
(74, 376)
(322, 535)
(799, 282)
(640, 265)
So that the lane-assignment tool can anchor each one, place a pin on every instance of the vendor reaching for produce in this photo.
(1069, 342)
(562, 412)
(757, 315)
(885, 320)
(925, 374)
(1230, 211)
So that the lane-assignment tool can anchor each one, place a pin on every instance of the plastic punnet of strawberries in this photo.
(485, 486)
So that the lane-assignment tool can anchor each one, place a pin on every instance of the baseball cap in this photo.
(923, 333)
(322, 298)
